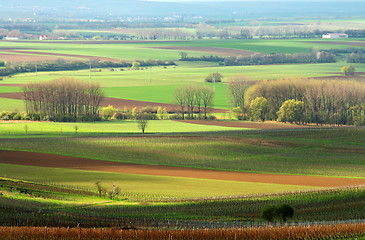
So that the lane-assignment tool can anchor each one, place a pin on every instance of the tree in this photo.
(285, 211)
(183, 55)
(76, 128)
(348, 70)
(142, 120)
(136, 66)
(258, 108)
(101, 190)
(108, 112)
(268, 212)
(214, 77)
(291, 111)
(179, 95)
(237, 88)
(207, 95)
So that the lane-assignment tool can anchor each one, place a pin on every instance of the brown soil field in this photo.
(57, 161)
(254, 125)
(356, 44)
(11, 85)
(123, 103)
(16, 58)
(211, 50)
(97, 42)
(21, 55)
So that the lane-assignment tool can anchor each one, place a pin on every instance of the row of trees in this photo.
(301, 101)
(64, 99)
(281, 58)
(273, 58)
(194, 99)
(62, 65)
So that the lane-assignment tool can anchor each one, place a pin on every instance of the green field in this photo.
(143, 185)
(53, 129)
(317, 152)
(67, 196)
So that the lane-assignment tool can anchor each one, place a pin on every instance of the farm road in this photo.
(57, 161)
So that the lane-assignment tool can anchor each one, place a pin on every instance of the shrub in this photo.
(348, 70)
(268, 212)
(285, 211)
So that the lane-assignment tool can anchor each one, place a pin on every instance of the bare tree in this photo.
(142, 120)
(180, 99)
(207, 94)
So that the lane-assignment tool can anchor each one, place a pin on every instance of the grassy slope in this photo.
(143, 185)
(136, 85)
(48, 129)
(333, 153)
(7, 104)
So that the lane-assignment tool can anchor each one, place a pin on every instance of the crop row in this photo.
(284, 232)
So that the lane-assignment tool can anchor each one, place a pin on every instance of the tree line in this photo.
(266, 59)
(62, 65)
(194, 99)
(64, 100)
(301, 101)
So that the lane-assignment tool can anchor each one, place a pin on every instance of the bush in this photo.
(285, 211)
(348, 70)
(268, 212)
(214, 77)
(108, 112)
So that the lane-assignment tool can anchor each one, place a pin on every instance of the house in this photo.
(43, 37)
(11, 38)
(335, 35)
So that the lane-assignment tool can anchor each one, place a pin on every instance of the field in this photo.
(179, 174)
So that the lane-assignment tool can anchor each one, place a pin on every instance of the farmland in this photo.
(179, 173)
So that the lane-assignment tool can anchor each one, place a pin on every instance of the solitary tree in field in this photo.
(214, 77)
(348, 70)
(76, 128)
(183, 55)
(142, 120)
(26, 129)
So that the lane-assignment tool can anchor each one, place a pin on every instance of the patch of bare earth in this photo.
(254, 125)
(98, 42)
(211, 50)
(123, 103)
(17, 58)
(26, 56)
(57, 161)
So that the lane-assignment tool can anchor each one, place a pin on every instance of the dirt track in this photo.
(121, 103)
(56, 161)
(211, 50)
(254, 125)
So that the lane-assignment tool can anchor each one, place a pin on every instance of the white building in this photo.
(43, 37)
(335, 35)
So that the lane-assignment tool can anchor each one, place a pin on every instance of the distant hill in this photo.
(225, 10)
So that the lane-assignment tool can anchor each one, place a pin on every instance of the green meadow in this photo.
(335, 152)
(47, 129)
(143, 185)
